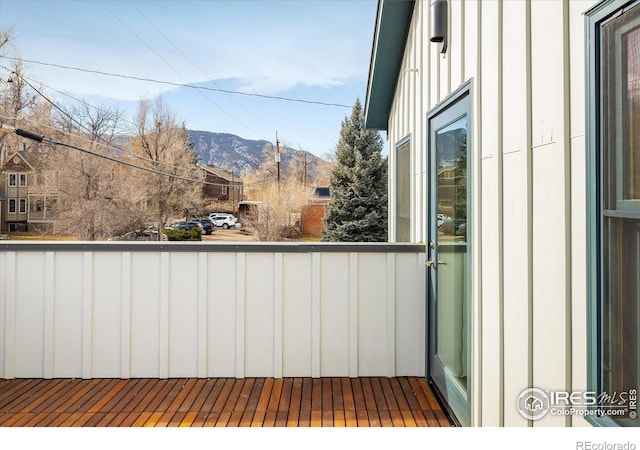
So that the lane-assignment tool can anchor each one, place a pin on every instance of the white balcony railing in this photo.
(96, 310)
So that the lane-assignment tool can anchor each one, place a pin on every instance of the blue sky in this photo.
(314, 50)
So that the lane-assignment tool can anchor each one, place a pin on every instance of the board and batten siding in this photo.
(136, 311)
(525, 60)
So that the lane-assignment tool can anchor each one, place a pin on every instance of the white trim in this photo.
(278, 300)
(353, 314)
(10, 314)
(125, 317)
(87, 314)
(390, 331)
(315, 314)
(203, 313)
(49, 308)
(240, 314)
(165, 291)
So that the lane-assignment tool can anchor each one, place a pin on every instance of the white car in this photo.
(222, 220)
(441, 219)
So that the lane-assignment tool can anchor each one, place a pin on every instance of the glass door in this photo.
(448, 255)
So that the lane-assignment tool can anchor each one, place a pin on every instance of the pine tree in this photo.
(357, 211)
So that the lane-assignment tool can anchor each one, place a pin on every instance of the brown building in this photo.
(312, 214)
(222, 187)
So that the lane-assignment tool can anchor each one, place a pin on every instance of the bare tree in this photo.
(94, 201)
(164, 146)
(5, 38)
(278, 216)
(20, 106)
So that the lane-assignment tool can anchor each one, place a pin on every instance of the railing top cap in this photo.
(211, 247)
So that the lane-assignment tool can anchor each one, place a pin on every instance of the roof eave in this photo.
(393, 20)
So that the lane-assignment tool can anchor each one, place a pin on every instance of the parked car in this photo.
(185, 226)
(208, 226)
(462, 229)
(453, 227)
(225, 221)
(441, 219)
(138, 235)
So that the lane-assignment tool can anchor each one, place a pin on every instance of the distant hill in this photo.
(231, 152)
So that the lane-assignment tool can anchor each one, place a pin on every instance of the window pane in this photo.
(620, 341)
(622, 296)
(403, 194)
(631, 116)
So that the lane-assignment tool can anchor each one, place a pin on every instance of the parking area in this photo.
(230, 236)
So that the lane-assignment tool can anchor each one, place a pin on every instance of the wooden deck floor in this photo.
(220, 402)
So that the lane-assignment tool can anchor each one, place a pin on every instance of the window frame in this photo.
(22, 176)
(595, 19)
(15, 206)
(22, 206)
(406, 141)
(12, 176)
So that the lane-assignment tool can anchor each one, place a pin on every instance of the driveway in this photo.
(230, 236)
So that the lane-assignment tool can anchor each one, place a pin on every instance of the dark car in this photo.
(185, 226)
(138, 235)
(208, 226)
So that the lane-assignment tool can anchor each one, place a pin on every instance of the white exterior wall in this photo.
(526, 62)
(125, 314)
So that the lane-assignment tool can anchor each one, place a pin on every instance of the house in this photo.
(512, 102)
(221, 185)
(30, 201)
(15, 175)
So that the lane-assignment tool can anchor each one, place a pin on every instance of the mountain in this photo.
(231, 152)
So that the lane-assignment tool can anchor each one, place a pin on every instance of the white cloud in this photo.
(270, 59)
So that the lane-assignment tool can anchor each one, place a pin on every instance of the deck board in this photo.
(221, 402)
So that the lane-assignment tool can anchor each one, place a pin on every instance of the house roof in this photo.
(18, 162)
(389, 41)
(220, 173)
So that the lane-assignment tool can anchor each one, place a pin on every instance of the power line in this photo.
(39, 138)
(137, 36)
(105, 143)
(169, 83)
(185, 56)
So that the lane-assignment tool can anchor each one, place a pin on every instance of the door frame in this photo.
(463, 94)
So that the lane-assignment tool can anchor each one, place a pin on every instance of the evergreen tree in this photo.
(357, 211)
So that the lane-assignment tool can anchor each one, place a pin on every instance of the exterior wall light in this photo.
(438, 31)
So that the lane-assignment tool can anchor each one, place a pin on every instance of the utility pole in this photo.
(233, 186)
(305, 169)
(277, 157)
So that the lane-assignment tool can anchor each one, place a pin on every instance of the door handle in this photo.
(431, 263)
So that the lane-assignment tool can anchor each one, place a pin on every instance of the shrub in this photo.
(183, 235)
